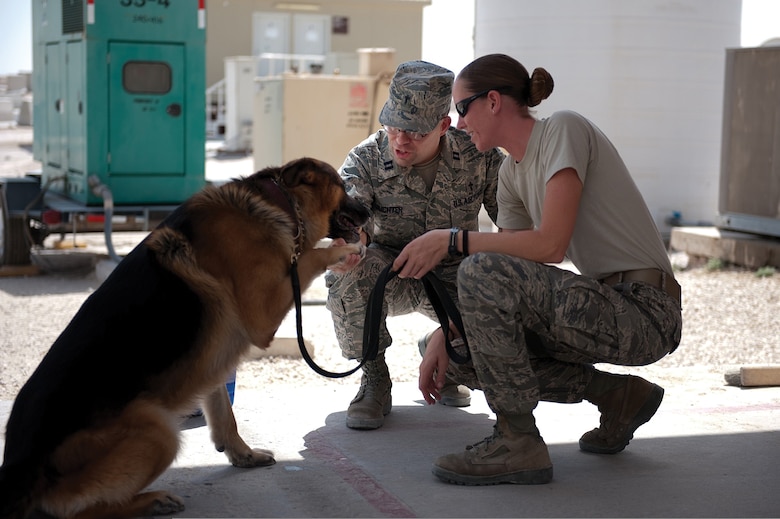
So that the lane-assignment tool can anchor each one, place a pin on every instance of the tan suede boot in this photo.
(504, 457)
(373, 400)
(631, 403)
(452, 394)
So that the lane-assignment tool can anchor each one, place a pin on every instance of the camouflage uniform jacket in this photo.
(402, 208)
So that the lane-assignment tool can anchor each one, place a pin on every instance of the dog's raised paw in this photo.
(362, 250)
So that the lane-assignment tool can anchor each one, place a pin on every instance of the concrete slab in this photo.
(739, 248)
(711, 451)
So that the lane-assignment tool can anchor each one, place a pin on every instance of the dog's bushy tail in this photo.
(17, 492)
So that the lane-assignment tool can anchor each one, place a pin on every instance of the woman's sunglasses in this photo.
(462, 106)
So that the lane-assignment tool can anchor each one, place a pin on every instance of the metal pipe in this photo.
(102, 190)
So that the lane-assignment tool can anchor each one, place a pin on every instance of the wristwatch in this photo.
(453, 248)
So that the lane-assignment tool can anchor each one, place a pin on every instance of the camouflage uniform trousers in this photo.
(348, 296)
(535, 331)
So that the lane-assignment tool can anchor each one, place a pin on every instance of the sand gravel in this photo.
(730, 319)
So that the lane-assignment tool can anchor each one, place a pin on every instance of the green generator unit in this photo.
(119, 99)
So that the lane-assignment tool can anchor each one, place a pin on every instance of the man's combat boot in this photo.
(452, 394)
(373, 400)
(625, 403)
(511, 455)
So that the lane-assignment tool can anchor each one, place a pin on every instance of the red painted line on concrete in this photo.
(357, 478)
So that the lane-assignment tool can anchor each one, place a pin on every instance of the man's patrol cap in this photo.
(420, 96)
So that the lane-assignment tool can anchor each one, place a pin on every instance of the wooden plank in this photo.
(754, 376)
(19, 270)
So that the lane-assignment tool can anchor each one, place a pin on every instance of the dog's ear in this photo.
(291, 173)
(301, 171)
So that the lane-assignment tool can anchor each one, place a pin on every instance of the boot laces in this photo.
(609, 424)
(371, 385)
(486, 441)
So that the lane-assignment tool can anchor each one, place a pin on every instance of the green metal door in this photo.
(146, 109)
(74, 107)
(55, 107)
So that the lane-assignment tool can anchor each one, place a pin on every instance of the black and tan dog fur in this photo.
(99, 419)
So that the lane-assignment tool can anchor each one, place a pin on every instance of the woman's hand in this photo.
(422, 254)
(433, 368)
(347, 263)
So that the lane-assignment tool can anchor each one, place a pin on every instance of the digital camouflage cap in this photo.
(420, 96)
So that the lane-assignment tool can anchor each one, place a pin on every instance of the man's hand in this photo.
(433, 368)
(347, 263)
(422, 254)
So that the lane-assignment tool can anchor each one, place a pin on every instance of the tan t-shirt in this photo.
(615, 230)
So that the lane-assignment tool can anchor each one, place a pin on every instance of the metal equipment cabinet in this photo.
(750, 156)
(119, 117)
(119, 98)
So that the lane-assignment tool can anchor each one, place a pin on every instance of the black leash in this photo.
(446, 311)
(296, 286)
(441, 301)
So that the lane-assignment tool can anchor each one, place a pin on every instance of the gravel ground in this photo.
(730, 319)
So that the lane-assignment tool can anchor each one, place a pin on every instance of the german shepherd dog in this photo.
(99, 419)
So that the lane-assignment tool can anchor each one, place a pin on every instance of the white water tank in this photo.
(649, 73)
(239, 102)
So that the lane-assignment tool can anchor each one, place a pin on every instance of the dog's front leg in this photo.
(224, 433)
(312, 263)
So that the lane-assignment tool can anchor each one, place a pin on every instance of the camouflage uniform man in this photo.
(416, 174)
(534, 330)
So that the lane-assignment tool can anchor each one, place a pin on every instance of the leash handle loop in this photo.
(442, 303)
(296, 285)
(446, 311)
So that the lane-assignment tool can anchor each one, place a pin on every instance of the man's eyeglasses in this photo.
(462, 106)
(415, 136)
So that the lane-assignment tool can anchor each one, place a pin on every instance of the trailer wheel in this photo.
(14, 245)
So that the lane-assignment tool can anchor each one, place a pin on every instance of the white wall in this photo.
(649, 73)
(448, 33)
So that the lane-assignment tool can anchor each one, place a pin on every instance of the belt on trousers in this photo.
(654, 277)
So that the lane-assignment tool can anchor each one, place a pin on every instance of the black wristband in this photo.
(465, 242)
(453, 248)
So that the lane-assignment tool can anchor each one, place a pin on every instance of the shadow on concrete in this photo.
(49, 284)
(689, 461)
(340, 472)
